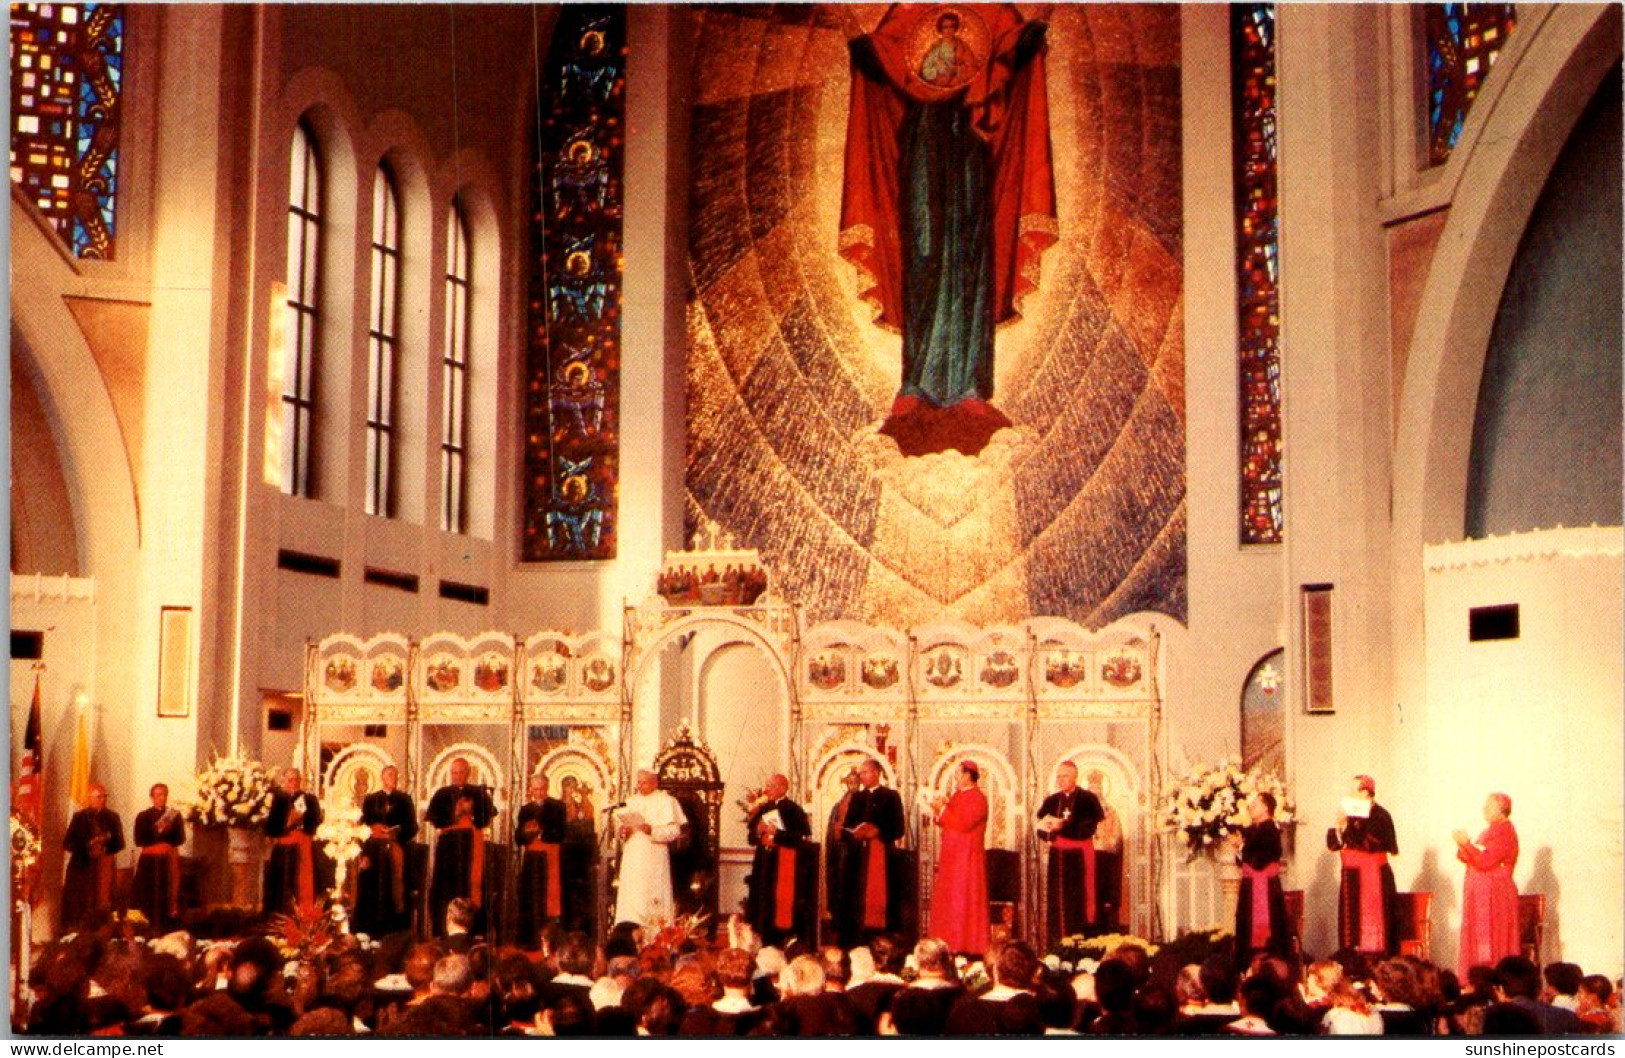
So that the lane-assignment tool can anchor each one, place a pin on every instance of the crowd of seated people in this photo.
(108, 981)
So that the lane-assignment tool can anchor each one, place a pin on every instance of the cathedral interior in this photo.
(575, 389)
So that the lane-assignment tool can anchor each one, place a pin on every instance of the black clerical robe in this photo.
(871, 899)
(579, 856)
(1261, 922)
(159, 833)
(460, 814)
(94, 838)
(1073, 897)
(1365, 904)
(539, 834)
(290, 876)
(783, 899)
(383, 885)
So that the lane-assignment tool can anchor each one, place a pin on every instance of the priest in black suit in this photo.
(1067, 820)
(781, 903)
(461, 812)
(93, 841)
(870, 900)
(159, 834)
(383, 890)
(539, 835)
(290, 876)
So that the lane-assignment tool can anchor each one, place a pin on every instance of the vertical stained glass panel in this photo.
(67, 73)
(1258, 228)
(1463, 41)
(573, 373)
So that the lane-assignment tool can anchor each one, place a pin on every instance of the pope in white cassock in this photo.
(647, 824)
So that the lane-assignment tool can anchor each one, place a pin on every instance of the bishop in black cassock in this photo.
(460, 812)
(870, 899)
(539, 834)
(383, 886)
(1365, 905)
(290, 876)
(159, 834)
(782, 901)
(93, 841)
(1261, 920)
(1067, 821)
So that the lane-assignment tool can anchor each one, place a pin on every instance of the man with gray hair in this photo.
(646, 825)
(453, 976)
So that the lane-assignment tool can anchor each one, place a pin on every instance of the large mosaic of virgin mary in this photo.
(948, 203)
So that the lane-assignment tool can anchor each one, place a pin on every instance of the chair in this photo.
(1413, 919)
(1294, 918)
(1532, 926)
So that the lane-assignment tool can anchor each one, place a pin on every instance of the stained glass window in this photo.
(572, 399)
(382, 341)
(1463, 41)
(454, 377)
(67, 74)
(301, 335)
(1258, 229)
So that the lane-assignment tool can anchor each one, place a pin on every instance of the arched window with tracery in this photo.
(67, 80)
(382, 341)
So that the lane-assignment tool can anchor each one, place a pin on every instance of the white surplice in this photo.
(644, 894)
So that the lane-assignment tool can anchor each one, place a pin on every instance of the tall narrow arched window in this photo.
(454, 380)
(299, 350)
(382, 331)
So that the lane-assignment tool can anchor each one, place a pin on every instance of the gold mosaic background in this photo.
(1078, 511)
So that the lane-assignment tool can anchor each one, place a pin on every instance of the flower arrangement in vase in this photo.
(1209, 804)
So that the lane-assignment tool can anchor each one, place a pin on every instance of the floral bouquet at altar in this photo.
(1210, 803)
(231, 792)
(1080, 954)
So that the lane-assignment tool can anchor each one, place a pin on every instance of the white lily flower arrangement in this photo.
(231, 792)
(1209, 803)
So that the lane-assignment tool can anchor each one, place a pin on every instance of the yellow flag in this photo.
(79, 783)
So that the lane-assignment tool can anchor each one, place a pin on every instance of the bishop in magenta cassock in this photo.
(959, 896)
(1489, 897)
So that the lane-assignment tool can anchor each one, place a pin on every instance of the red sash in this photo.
(173, 856)
(306, 870)
(104, 866)
(1087, 847)
(554, 903)
(1373, 916)
(784, 892)
(476, 861)
(874, 886)
(397, 881)
(1259, 881)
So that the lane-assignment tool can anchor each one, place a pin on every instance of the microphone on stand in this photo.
(613, 807)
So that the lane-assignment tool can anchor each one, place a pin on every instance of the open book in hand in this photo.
(629, 819)
(1356, 808)
(771, 819)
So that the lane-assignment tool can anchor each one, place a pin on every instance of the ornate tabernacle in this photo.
(688, 771)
